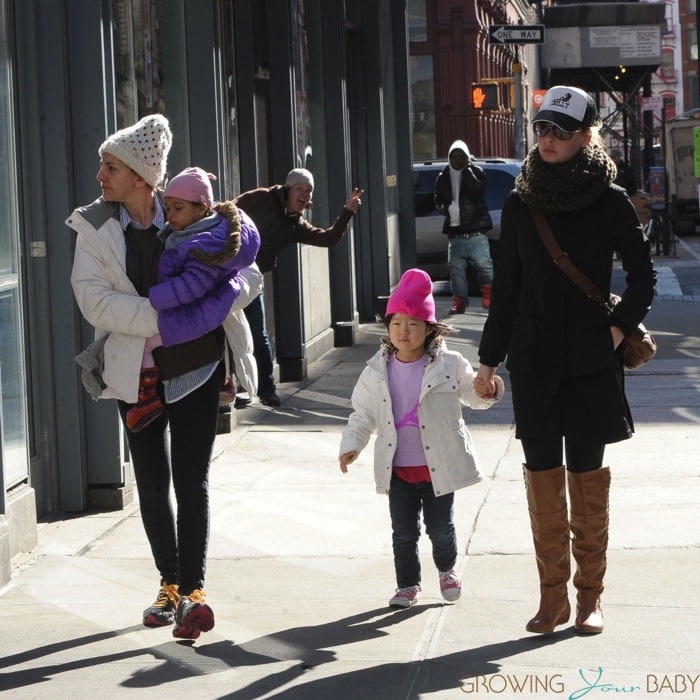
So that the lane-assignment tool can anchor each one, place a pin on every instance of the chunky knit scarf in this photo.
(565, 186)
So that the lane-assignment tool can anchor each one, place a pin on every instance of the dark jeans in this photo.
(262, 350)
(179, 549)
(405, 503)
(547, 453)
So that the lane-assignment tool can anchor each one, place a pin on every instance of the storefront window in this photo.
(137, 72)
(423, 108)
(13, 392)
(389, 105)
(231, 157)
(302, 99)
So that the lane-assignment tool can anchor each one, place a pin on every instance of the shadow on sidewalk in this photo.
(397, 680)
(37, 674)
(315, 645)
(310, 645)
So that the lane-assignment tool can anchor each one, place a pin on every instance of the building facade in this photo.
(451, 49)
(252, 88)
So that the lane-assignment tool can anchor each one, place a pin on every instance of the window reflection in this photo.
(302, 98)
(423, 108)
(13, 392)
(231, 159)
(417, 20)
(300, 57)
(11, 367)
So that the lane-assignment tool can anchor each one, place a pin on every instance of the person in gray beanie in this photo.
(117, 252)
(300, 176)
(278, 214)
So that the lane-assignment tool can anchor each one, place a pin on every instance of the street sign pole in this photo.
(517, 34)
(518, 107)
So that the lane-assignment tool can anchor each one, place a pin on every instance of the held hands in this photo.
(355, 200)
(347, 458)
(485, 382)
(482, 388)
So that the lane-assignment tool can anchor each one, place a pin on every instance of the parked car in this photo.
(431, 243)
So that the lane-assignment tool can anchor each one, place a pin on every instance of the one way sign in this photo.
(516, 34)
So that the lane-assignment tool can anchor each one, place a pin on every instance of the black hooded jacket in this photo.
(473, 212)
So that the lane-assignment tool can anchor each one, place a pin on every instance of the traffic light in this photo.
(485, 96)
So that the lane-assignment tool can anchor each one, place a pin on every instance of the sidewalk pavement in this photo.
(300, 566)
(687, 248)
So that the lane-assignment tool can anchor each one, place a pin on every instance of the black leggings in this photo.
(546, 453)
(178, 539)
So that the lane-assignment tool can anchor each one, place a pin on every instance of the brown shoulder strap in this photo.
(562, 260)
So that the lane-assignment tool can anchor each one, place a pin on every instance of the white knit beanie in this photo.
(144, 147)
(299, 176)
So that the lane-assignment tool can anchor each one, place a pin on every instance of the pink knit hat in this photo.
(192, 185)
(413, 296)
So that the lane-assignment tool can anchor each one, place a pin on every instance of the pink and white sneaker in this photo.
(450, 585)
(405, 597)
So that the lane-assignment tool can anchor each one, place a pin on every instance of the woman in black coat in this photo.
(562, 348)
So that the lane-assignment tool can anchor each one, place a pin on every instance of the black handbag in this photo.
(637, 348)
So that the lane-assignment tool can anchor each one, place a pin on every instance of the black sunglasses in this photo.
(543, 128)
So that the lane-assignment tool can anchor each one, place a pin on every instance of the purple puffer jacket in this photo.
(195, 297)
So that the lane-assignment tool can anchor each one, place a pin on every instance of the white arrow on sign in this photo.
(517, 34)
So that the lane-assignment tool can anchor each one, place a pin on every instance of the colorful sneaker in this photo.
(450, 585)
(193, 616)
(405, 597)
(162, 612)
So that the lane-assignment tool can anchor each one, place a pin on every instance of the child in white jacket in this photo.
(411, 393)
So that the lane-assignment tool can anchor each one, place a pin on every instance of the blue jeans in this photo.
(262, 350)
(405, 503)
(178, 543)
(473, 251)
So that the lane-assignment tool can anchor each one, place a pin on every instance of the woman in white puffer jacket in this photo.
(116, 263)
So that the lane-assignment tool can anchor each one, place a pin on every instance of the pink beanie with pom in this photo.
(192, 185)
(413, 296)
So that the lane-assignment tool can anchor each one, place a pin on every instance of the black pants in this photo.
(178, 543)
(262, 350)
(546, 453)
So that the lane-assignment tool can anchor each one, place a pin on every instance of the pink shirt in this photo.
(405, 381)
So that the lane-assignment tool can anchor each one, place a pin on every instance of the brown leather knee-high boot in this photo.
(546, 500)
(589, 498)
